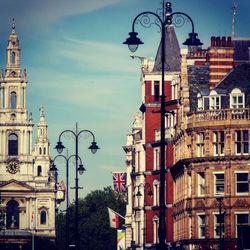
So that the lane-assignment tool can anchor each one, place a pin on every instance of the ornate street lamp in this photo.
(54, 171)
(93, 147)
(133, 42)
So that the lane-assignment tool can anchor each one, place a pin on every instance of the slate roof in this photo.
(198, 80)
(239, 77)
(241, 51)
(172, 52)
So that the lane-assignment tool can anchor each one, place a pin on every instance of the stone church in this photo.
(27, 191)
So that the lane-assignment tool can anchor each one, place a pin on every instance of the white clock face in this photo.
(60, 194)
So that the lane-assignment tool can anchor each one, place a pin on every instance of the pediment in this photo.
(14, 185)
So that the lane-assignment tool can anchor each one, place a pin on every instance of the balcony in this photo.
(218, 117)
(169, 134)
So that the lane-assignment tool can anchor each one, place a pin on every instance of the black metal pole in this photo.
(220, 223)
(162, 221)
(67, 204)
(76, 193)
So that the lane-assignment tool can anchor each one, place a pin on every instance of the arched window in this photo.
(43, 217)
(155, 229)
(13, 57)
(39, 170)
(13, 100)
(44, 151)
(12, 214)
(237, 99)
(13, 144)
(156, 191)
(40, 151)
(214, 100)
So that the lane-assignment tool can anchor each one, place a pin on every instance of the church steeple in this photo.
(42, 142)
(14, 80)
(13, 52)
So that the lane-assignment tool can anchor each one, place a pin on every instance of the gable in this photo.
(14, 185)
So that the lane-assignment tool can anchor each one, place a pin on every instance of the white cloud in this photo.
(42, 13)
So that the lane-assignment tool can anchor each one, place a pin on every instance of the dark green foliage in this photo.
(94, 229)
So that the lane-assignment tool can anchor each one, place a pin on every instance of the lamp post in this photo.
(81, 169)
(133, 42)
(221, 219)
(93, 147)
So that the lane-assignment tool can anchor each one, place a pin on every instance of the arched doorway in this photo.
(12, 214)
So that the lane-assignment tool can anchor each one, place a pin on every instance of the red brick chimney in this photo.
(220, 58)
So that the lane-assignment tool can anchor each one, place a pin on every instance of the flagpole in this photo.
(117, 214)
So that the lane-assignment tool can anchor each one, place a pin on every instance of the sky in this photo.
(80, 71)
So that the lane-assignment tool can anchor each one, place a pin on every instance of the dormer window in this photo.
(214, 100)
(237, 99)
(199, 102)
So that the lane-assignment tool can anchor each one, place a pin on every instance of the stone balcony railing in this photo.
(169, 134)
(199, 118)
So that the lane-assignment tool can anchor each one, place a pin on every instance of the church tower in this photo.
(27, 193)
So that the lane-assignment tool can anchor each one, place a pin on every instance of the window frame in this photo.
(216, 216)
(12, 144)
(241, 182)
(235, 94)
(201, 226)
(200, 144)
(214, 101)
(216, 184)
(218, 143)
(240, 142)
(236, 224)
(201, 181)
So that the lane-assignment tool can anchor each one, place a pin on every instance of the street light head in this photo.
(81, 169)
(133, 42)
(59, 147)
(93, 147)
(192, 40)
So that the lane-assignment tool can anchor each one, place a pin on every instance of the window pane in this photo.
(242, 176)
(242, 187)
(240, 99)
(245, 135)
(245, 147)
(238, 137)
(242, 218)
(222, 136)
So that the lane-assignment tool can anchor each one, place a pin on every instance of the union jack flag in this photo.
(119, 179)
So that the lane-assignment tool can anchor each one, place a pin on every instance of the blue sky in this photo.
(81, 72)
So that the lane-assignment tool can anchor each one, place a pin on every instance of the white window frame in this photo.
(236, 182)
(216, 183)
(156, 192)
(156, 163)
(214, 100)
(236, 224)
(200, 144)
(200, 103)
(234, 95)
(175, 88)
(155, 229)
(200, 226)
(201, 184)
(218, 144)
